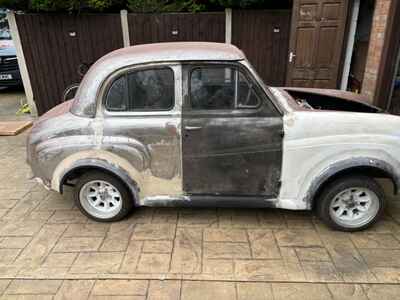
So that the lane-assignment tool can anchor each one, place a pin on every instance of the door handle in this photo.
(291, 56)
(189, 128)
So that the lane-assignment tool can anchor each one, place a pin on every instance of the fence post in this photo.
(125, 27)
(22, 63)
(228, 25)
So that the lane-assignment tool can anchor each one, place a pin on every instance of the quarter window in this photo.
(221, 88)
(246, 94)
(143, 90)
(117, 97)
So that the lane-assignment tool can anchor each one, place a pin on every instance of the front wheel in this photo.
(103, 197)
(351, 203)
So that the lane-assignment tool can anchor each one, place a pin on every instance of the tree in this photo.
(146, 6)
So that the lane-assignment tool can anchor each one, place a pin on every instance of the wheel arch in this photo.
(363, 166)
(98, 165)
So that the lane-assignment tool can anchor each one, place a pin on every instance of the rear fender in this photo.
(101, 160)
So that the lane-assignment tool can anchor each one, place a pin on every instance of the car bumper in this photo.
(39, 178)
(35, 170)
(15, 78)
(44, 183)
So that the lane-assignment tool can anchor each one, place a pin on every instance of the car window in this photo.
(5, 34)
(142, 90)
(213, 87)
(247, 96)
(117, 97)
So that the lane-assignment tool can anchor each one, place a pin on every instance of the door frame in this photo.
(390, 53)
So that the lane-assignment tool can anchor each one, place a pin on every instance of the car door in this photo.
(141, 120)
(231, 133)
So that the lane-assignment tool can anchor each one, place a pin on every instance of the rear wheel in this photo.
(351, 203)
(103, 197)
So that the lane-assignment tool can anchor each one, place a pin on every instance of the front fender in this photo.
(348, 164)
(306, 167)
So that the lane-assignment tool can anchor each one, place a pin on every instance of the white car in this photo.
(192, 124)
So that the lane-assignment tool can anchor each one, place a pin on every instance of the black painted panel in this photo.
(235, 152)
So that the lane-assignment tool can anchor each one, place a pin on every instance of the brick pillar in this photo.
(375, 47)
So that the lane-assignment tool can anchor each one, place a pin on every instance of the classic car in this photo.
(192, 124)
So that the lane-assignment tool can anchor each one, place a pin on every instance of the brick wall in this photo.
(375, 47)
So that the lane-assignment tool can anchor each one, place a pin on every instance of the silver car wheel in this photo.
(354, 207)
(100, 199)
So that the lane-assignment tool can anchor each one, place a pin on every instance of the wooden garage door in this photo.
(316, 42)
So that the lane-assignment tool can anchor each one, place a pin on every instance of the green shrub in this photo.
(152, 6)
(146, 6)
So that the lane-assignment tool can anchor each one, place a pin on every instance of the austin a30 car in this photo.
(192, 124)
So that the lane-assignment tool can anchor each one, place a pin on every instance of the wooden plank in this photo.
(14, 127)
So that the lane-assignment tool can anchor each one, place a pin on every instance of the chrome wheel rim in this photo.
(354, 207)
(100, 199)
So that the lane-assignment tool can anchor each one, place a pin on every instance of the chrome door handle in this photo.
(291, 56)
(193, 128)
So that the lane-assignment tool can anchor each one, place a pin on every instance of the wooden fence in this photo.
(55, 45)
(174, 27)
(264, 38)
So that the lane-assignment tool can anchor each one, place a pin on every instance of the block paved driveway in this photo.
(49, 249)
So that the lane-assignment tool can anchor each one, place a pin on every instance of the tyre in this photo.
(351, 203)
(103, 197)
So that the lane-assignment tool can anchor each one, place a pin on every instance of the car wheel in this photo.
(103, 197)
(351, 203)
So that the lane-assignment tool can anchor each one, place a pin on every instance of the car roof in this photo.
(177, 51)
(149, 53)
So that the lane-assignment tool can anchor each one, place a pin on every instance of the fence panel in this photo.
(174, 27)
(55, 45)
(263, 35)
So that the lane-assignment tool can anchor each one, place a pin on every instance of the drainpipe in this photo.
(350, 45)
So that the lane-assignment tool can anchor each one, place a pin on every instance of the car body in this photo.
(196, 126)
(10, 75)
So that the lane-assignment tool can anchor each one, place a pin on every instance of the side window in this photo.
(213, 87)
(142, 90)
(151, 89)
(117, 96)
(247, 97)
